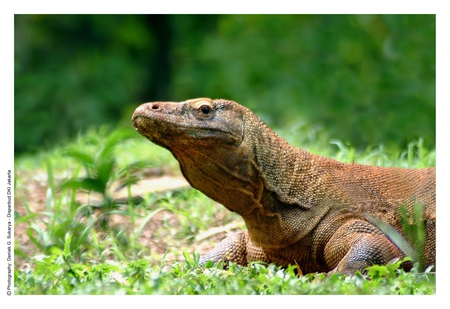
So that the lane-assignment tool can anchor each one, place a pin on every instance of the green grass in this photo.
(52, 275)
(75, 235)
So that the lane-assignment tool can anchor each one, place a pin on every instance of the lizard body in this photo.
(299, 208)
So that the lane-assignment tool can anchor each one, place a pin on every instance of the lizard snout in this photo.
(143, 109)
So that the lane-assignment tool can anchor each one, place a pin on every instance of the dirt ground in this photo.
(34, 194)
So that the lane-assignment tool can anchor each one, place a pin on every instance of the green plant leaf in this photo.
(67, 242)
(33, 239)
(81, 157)
(104, 171)
(90, 184)
(145, 221)
(395, 236)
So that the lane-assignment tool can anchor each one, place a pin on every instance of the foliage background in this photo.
(365, 79)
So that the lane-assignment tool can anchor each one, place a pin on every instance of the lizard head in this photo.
(208, 140)
(191, 124)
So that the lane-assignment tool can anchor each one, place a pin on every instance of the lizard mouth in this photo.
(144, 124)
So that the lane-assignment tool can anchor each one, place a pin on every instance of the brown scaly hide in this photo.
(299, 208)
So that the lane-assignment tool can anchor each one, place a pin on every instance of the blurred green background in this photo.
(367, 79)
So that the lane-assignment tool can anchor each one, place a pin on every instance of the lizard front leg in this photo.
(357, 245)
(237, 248)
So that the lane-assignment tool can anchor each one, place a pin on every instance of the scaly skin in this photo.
(299, 208)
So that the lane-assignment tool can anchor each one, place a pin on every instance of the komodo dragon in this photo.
(299, 208)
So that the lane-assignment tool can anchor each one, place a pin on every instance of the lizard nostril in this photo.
(155, 106)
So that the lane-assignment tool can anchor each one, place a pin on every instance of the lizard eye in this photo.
(205, 109)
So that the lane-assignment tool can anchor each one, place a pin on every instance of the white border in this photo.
(235, 7)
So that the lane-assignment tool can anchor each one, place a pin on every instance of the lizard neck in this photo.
(293, 174)
(291, 187)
